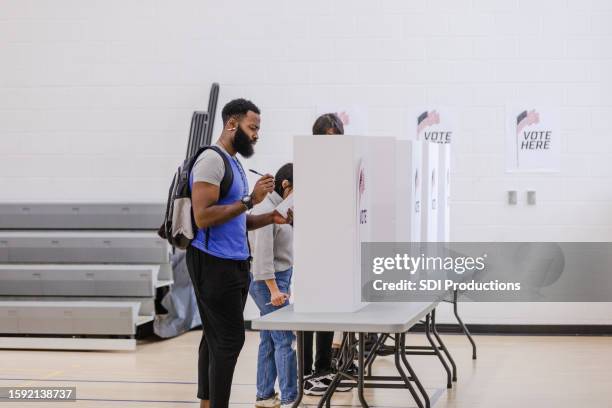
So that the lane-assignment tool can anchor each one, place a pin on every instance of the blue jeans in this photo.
(276, 355)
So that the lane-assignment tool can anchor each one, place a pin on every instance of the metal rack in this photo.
(203, 123)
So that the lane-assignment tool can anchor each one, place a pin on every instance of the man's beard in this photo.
(242, 143)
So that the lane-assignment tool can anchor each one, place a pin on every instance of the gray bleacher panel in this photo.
(83, 247)
(68, 318)
(67, 343)
(146, 304)
(78, 280)
(84, 216)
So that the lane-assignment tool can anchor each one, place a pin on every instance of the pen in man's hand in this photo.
(256, 172)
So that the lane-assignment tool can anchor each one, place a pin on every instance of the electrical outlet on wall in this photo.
(531, 197)
(512, 197)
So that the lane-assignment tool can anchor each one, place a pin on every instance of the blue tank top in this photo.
(228, 240)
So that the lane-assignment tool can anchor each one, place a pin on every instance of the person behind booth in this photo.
(318, 380)
(328, 124)
(218, 259)
(272, 268)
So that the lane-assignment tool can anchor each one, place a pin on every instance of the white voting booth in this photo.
(408, 170)
(430, 201)
(354, 189)
(444, 193)
(344, 195)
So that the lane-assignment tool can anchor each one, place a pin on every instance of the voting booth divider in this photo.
(408, 190)
(444, 193)
(345, 197)
(431, 174)
(354, 189)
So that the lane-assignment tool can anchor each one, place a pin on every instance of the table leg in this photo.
(399, 352)
(360, 371)
(373, 352)
(436, 350)
(442, 345)
(463, 326)
(326, 398)
(346, 359)
(401, 345)
(300, 369)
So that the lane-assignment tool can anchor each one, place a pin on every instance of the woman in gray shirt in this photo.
(272, 268)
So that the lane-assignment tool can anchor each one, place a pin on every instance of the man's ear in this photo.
(285, 184)
(232, 124)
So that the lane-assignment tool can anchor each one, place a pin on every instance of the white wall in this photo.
(96, 96)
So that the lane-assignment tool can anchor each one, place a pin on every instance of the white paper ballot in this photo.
(284, 207)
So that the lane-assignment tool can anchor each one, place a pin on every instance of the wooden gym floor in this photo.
(511, 371)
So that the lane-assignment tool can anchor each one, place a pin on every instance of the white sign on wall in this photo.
(353, 117)
(433, 125)
(532, 140)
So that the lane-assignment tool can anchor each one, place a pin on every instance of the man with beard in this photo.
(218, 260)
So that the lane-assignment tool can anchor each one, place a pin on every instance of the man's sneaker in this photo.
(272, 402)
(327, 380)
(370, 341)
(353, 370)
(313, 386)
(385, 350)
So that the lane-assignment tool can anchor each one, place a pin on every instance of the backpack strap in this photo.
(247, 231)
(226, 181)
(228, 175)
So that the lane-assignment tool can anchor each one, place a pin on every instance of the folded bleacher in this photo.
(79, 276)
